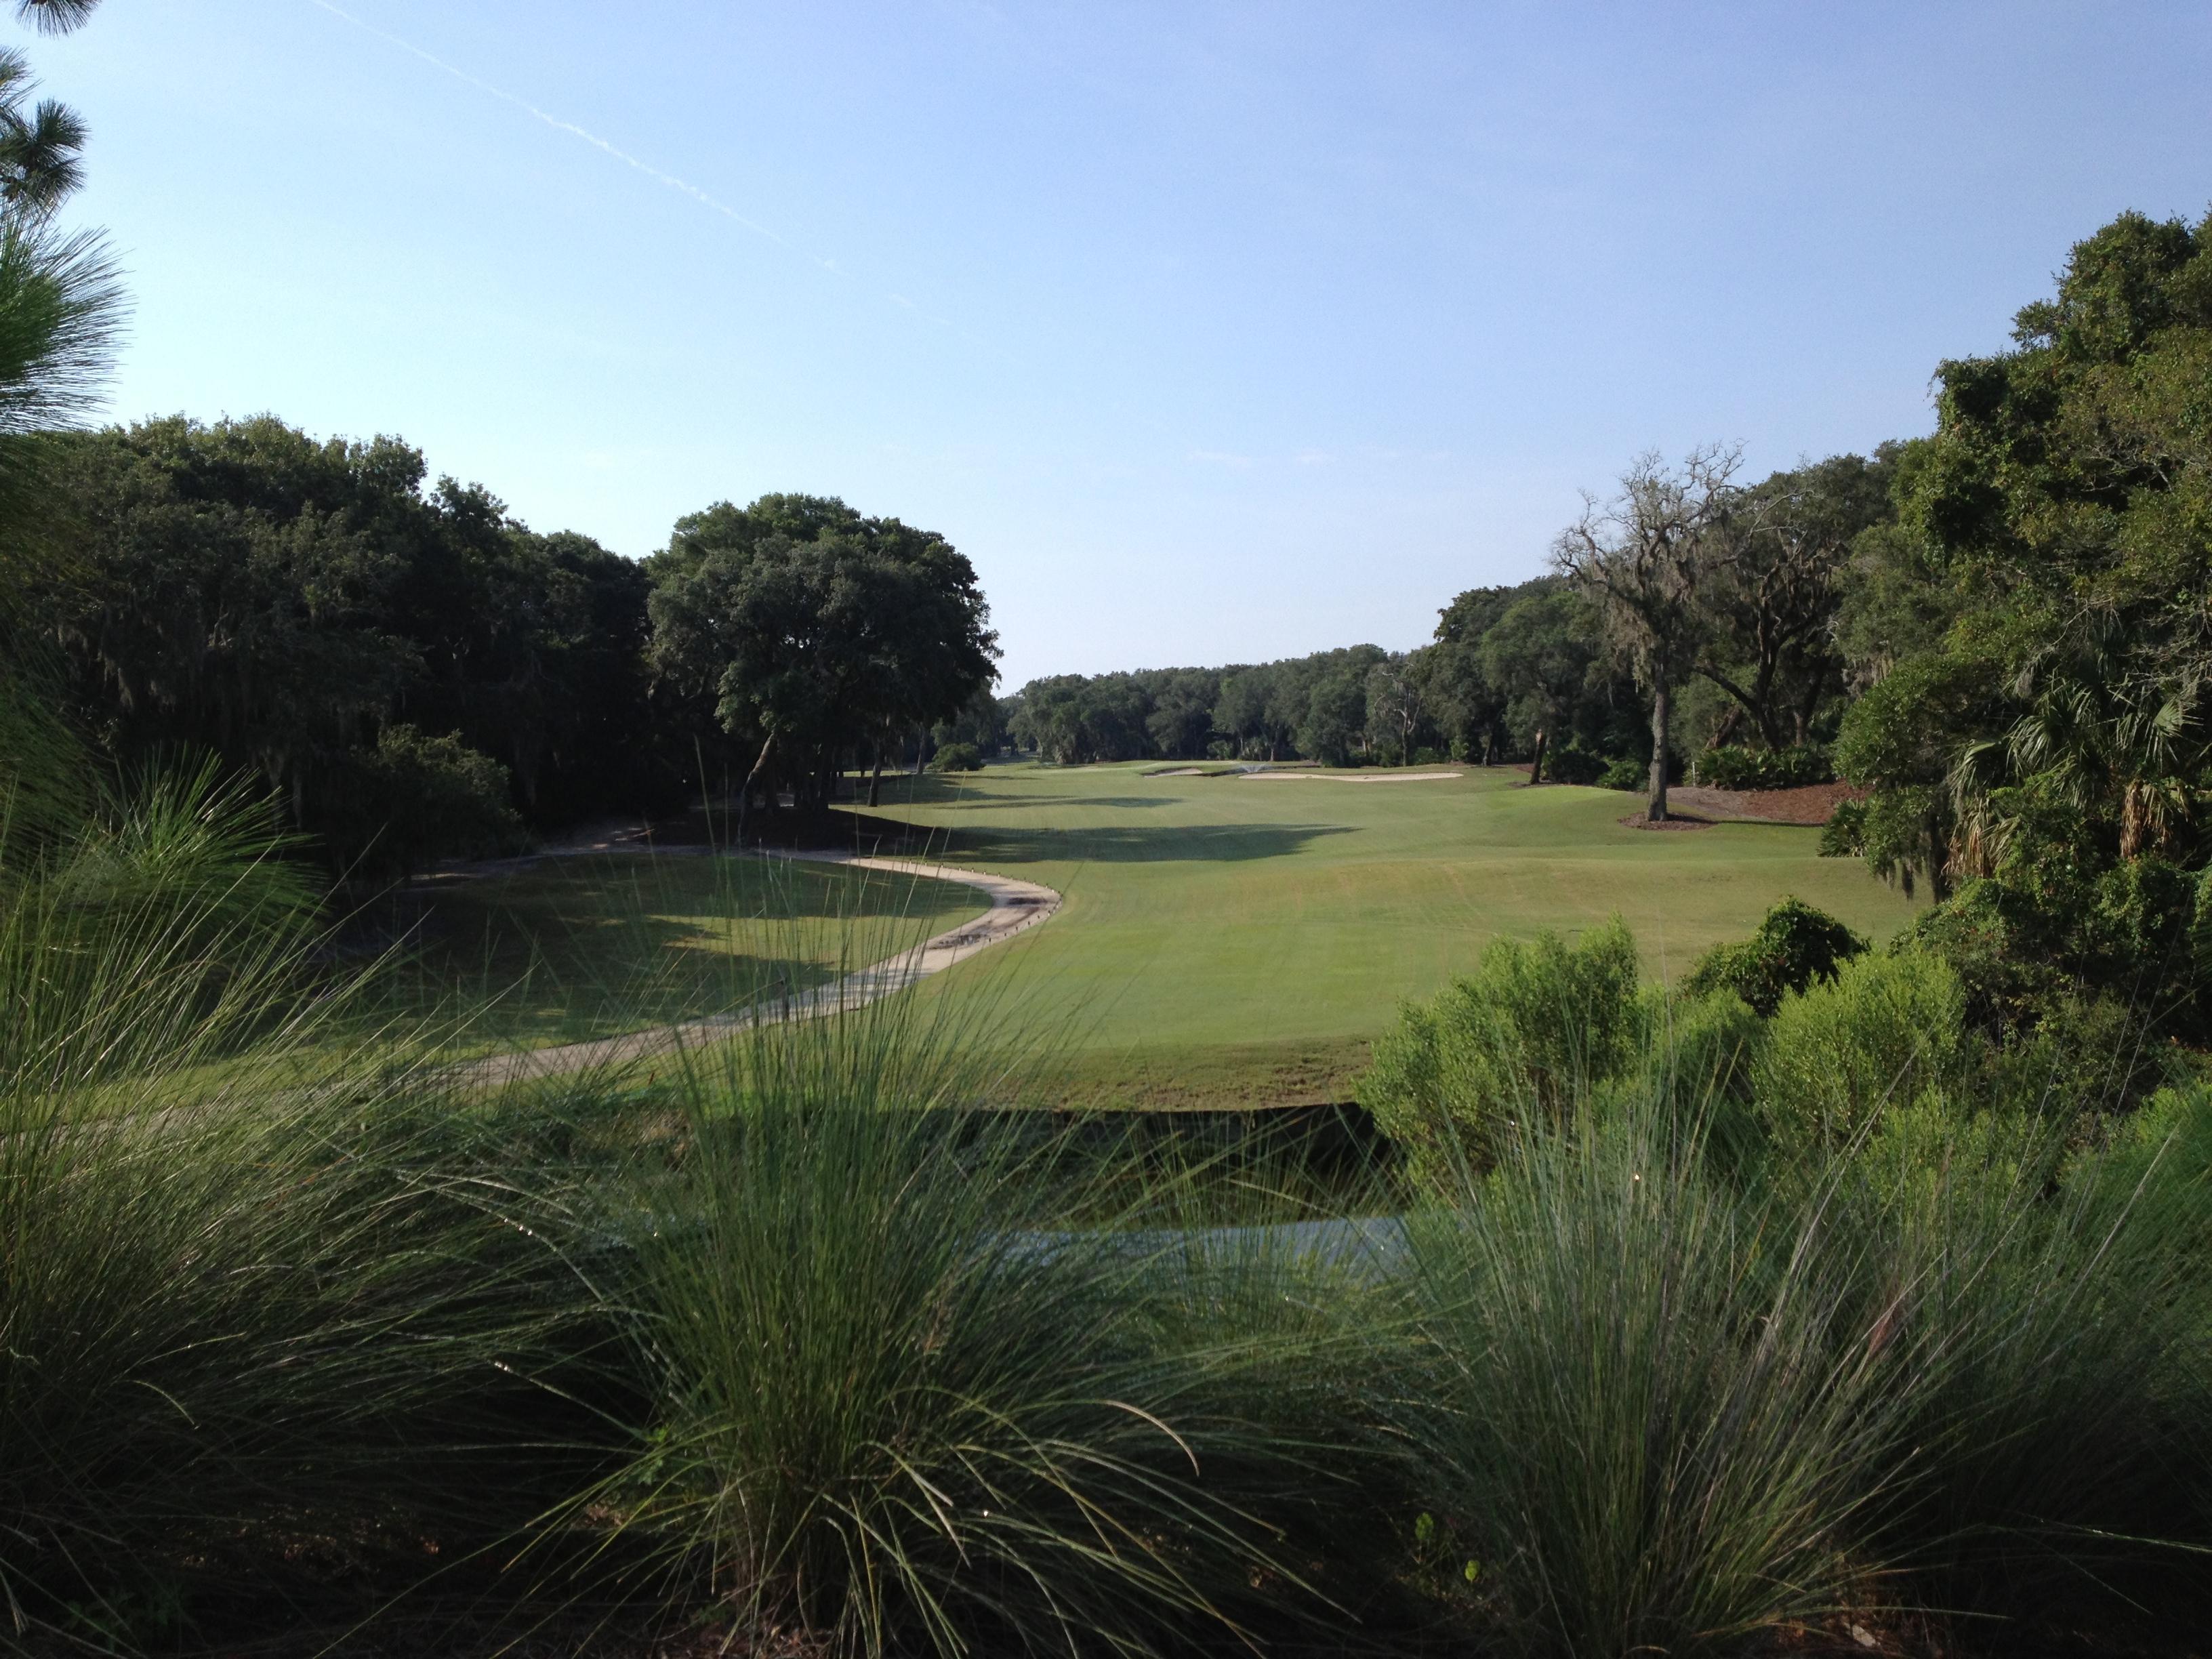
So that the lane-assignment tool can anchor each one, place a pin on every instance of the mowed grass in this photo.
(579, 947)
(1231, 940)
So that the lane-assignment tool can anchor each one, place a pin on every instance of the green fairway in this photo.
(576, 948)
(1232, 939)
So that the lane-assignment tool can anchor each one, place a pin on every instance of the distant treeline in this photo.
(418, 674)
(1355, 706)
(1793, 615)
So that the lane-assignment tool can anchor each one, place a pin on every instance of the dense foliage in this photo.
(419, 675)
(2034, 630)
(799, 635)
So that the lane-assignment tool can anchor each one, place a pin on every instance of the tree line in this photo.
(1723, 616)
(415, 673)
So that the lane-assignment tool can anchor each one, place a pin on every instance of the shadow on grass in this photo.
(579, 948)
(966, 791)
(1135, 844)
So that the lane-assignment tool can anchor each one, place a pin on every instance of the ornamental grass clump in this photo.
(249, 1344)
(1664, 1403)
(1639, 1419)
(898, 1401)
(2047, 1328)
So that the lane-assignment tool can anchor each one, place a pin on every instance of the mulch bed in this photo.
(1814, 803)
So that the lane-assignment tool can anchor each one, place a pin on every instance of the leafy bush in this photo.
(1571, 765)
(1627, 774)
(1885, 1030)
(956, 758)
(1703, 1049)
(1845, 834)
(1734, 767)
(417, 798)
(1526, 1037)
(1794, 945)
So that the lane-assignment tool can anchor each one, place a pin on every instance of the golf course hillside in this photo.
(1239, 939)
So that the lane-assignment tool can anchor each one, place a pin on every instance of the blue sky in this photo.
(1211, 332)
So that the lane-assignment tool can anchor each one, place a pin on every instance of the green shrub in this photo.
(1988, 938)
(1794, 945)
(1843, 836)
(1733, 767)
(956, 758)
(1701, 1048)
(416, 798)
(1525, 1038)
(2158, 1169)
(1570, 765)
(1884, 1031)
(1628, 775)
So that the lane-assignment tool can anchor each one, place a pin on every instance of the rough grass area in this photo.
(1228, 941)
(573, 949)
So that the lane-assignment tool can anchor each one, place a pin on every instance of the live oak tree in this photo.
(1769, 597)
(1642, 558)
(808, 634)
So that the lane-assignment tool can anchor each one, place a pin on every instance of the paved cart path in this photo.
(1016, 906)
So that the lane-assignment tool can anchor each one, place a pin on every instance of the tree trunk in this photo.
(1661, 698)
(1536, 760)
(876, 777)
(745, 794)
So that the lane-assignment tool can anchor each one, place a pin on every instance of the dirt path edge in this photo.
(1016, 906)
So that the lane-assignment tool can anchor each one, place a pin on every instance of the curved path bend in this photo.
(1016, 906)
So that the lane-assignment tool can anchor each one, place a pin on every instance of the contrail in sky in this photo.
(684, 185)
(568, 127)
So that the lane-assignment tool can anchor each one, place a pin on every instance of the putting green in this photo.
(1229, 939)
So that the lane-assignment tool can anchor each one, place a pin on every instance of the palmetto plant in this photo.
(2113, 725)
